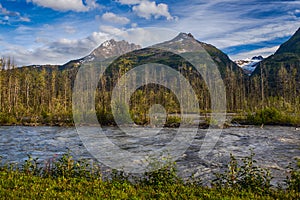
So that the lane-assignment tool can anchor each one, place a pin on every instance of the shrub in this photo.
(271, 116)
(165, 175)
(31, 166)
(67, 167)
(244, 176)
(173, 121)
(65, 178)
(7, 119)
(293, 181)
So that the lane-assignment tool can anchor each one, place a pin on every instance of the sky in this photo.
(56, 31)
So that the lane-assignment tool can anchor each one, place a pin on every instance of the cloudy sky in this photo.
(55, 31)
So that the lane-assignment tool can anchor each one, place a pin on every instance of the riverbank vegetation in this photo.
(268, 116)
(65, 178)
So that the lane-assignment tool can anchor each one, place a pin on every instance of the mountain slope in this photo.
(291, 46)
(107, 49)
(288, 52)
(281, 71)
(220, 58)
(168, 53)
(288, 55)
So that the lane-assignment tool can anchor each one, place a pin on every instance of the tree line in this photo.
(43, 94)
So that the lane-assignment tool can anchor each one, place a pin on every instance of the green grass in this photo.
(65, 178)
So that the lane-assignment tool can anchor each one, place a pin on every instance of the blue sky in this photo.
(56, 31)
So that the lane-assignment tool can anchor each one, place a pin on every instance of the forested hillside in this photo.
(43, 94)
(276, 81)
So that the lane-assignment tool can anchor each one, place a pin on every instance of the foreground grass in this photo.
(68, 179)
(19, 185)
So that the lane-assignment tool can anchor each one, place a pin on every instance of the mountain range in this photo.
(264, 77)
(44, 93)
(287, 53)
(113, 48)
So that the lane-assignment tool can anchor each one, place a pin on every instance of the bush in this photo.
(293, 181)
(265, 116)
(7, 119)
(271, 116)
(105, 118)
(244, 176)
(164, 175)
(64, 178)
(173, 121)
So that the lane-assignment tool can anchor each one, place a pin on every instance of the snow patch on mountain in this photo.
(107, 49)
(249, 65)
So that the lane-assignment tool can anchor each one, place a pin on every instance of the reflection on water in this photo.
(275, 147)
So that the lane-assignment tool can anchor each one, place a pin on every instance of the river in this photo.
(274, 147)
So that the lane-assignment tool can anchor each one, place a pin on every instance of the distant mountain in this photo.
(107, 49)
(249, 65)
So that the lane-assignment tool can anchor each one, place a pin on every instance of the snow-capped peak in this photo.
(249, 65)
(183, 36)
(108, 43)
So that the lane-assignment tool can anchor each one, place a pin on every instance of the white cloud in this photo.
(258, 34)
(58, 52)
(11, 15)
(25, 19)
(65, 5)
(227, 23)
(4, 11)
(64, 49)
(234, 23)
(111, 17)
(141, 36)
(41, 40)
(147, 9)
(70, 29)
(149, 36)
(264, 52)
(129, 2)
(113, 31)
(134, 25)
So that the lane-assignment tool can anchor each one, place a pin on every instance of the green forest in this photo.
(34, 95)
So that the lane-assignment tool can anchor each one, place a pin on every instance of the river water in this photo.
(274, 147)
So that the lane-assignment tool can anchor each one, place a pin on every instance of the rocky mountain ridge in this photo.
(107, 49)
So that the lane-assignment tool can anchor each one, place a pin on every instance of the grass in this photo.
(65, 178)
